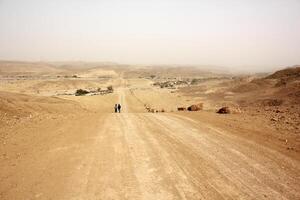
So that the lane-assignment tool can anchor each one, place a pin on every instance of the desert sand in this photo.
(55, 145)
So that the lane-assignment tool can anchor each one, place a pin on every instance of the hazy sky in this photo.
(205, 32)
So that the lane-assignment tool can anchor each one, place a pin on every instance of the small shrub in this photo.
(194, 81)
(110, 88)
(81, 92)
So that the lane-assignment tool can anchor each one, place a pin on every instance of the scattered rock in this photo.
(272, 102)
(195, 107)
(274, 119)
(290, 148)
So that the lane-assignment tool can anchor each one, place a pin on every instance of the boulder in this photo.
(224, 110)
(195, 107)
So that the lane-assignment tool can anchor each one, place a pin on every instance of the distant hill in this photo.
(26, 68)
(19, 68)
(288, 73)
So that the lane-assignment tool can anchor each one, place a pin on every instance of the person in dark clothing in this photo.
(116, 108)
(119, 108)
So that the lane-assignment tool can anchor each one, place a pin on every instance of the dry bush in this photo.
(81, 92)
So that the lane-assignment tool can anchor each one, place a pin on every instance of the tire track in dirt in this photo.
(199, 172)
(107, 171)
(247, 173)
(252, 170)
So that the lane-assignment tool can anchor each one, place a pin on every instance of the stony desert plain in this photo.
(56, 145)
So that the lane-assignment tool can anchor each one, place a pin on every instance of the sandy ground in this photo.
(138, 155)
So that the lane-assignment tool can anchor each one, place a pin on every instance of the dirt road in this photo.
(146, 156)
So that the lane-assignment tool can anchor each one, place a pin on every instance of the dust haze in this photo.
(239, 35)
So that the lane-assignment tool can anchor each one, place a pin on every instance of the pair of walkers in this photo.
(117, 108)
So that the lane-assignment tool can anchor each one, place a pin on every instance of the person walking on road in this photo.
(119, 108)
(116, 108)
